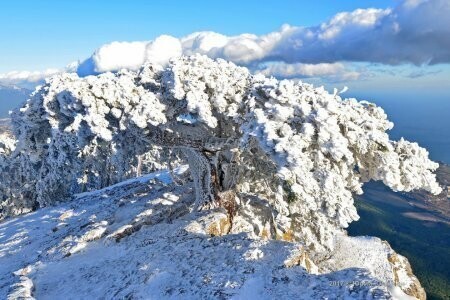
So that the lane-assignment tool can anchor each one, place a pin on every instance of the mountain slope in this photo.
(10, 98)
(139, 239)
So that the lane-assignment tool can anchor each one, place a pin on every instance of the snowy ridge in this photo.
(139, 239)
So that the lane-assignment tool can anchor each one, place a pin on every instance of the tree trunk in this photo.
(139, 166)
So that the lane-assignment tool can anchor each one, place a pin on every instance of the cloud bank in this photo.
(26, 77)
(331, 71)
(29, 79)
(415, 32)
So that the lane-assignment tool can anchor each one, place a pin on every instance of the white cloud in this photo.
(27, 75)
(119, 55)
(416, 31)
(26, 78)
(328, 71)
(30, 79)
(349, 21)
(131, 55)
(163, 49)
(202, 42)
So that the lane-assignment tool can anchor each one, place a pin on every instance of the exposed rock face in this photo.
(140, 240)
(404, 277)
(5, 125)
(301, 258)
(216, 223)
(377, 256)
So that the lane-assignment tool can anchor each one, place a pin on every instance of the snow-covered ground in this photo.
(139, 239)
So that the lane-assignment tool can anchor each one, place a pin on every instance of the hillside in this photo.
(5, 125)
(274, 166)
(10, 98)
(139, 240)
(439, 204)
(416, 224)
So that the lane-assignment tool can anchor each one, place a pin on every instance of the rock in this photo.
(376, 256)
(213, 223)
(404, 277)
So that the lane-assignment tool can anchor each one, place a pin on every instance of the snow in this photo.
(313, 150)
(140, 240)
(187, 118)
(272, 164)
(354, 252)
(162, 176)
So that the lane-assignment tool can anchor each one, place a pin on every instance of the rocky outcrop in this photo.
(404, 277)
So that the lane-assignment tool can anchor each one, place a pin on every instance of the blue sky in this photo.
(44, 34)
(363, 50)
(397, 55)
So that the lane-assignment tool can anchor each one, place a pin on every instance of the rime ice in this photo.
(300, 149)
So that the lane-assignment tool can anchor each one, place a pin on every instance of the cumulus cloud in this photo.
(351, 22)
(118, 55)
(328, 71)
(415, 32)
(29, 79)
(131, 55)
(26, 78)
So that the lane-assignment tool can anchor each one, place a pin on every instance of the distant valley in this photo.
(4, 125)
(11, 97)
(416, 224)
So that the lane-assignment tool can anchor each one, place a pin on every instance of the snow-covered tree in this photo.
(15, 173)
(301, 149)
